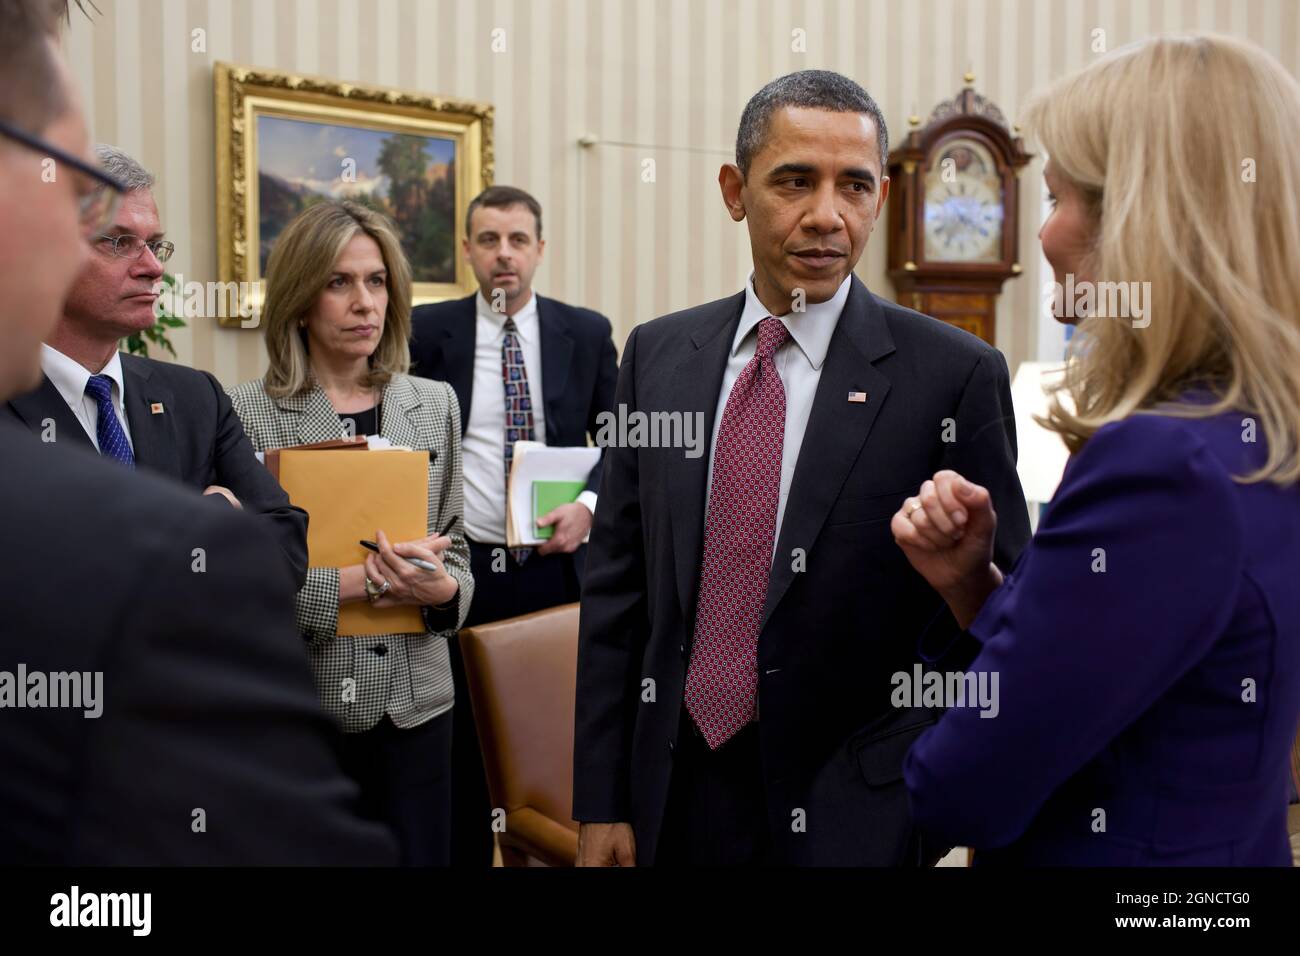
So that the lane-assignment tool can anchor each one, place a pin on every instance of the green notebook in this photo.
(549, 495)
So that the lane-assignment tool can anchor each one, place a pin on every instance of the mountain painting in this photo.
(408, 177)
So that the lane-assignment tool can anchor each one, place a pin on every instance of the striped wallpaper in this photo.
(648, 79)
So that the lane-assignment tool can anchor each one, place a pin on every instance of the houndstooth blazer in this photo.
(359, 679)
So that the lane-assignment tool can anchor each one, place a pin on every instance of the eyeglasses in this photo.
(98, 192)
(132, 247)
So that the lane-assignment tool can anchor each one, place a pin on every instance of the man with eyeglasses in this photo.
(167, 710)
(168, 418)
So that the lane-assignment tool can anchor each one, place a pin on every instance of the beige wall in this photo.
(668, 76)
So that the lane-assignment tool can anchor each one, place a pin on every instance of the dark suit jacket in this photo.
(197, 440)
(834, 632)
(579, 364)
(1124, 690)
(207, 697)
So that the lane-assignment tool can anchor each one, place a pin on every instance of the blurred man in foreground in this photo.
(158, 706)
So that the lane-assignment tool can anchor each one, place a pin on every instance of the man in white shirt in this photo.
(524, 367)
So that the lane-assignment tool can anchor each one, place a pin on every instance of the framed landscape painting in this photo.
(285, 142)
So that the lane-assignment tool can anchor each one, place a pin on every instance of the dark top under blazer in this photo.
(579, 364)
(1125, 690)
(834, 632)
(197, 440)
(207, 696)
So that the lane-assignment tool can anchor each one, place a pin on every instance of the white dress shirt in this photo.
(799, 364)
(70, 378)
(483, 444)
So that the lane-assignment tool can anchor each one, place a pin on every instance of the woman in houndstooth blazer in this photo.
(337, 322)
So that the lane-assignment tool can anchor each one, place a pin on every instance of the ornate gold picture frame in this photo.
(285, 141)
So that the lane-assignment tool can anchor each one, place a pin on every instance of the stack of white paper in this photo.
(534, 461)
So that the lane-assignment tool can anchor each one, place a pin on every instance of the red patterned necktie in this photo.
(722, 681)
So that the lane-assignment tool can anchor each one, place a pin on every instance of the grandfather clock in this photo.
(953, 209)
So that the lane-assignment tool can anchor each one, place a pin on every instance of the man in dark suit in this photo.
(210, 746)
(555, 366)
(157, 704)
(159, 416)
(743, 612)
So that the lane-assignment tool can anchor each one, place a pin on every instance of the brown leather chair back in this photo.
(522, 677)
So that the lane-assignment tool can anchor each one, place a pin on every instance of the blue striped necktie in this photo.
(108, 430)
(519, 407)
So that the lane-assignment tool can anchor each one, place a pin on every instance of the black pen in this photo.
(418, 562)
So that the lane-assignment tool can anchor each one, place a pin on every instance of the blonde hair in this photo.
(1162, 139)
(301, 264)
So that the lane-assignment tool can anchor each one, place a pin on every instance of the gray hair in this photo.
(813, 89)
(123, 168)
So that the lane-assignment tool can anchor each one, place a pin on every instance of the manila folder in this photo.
(348, 496)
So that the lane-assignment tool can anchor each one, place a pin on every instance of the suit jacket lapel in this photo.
(44, 403)
(696, 383)
(557, 350)
(152, 435)
(837, 430)
(317, 420)
(458, 342)
(400, 403)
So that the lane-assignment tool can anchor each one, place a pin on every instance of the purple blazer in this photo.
(1146, 710)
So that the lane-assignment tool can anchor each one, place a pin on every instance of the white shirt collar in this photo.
(525, 318)
(70, 376)
(811, 329)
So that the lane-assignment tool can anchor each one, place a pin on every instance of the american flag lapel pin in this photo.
(858, 397)
(156, 408)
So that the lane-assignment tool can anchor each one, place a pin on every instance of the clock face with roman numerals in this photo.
(963, 204)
